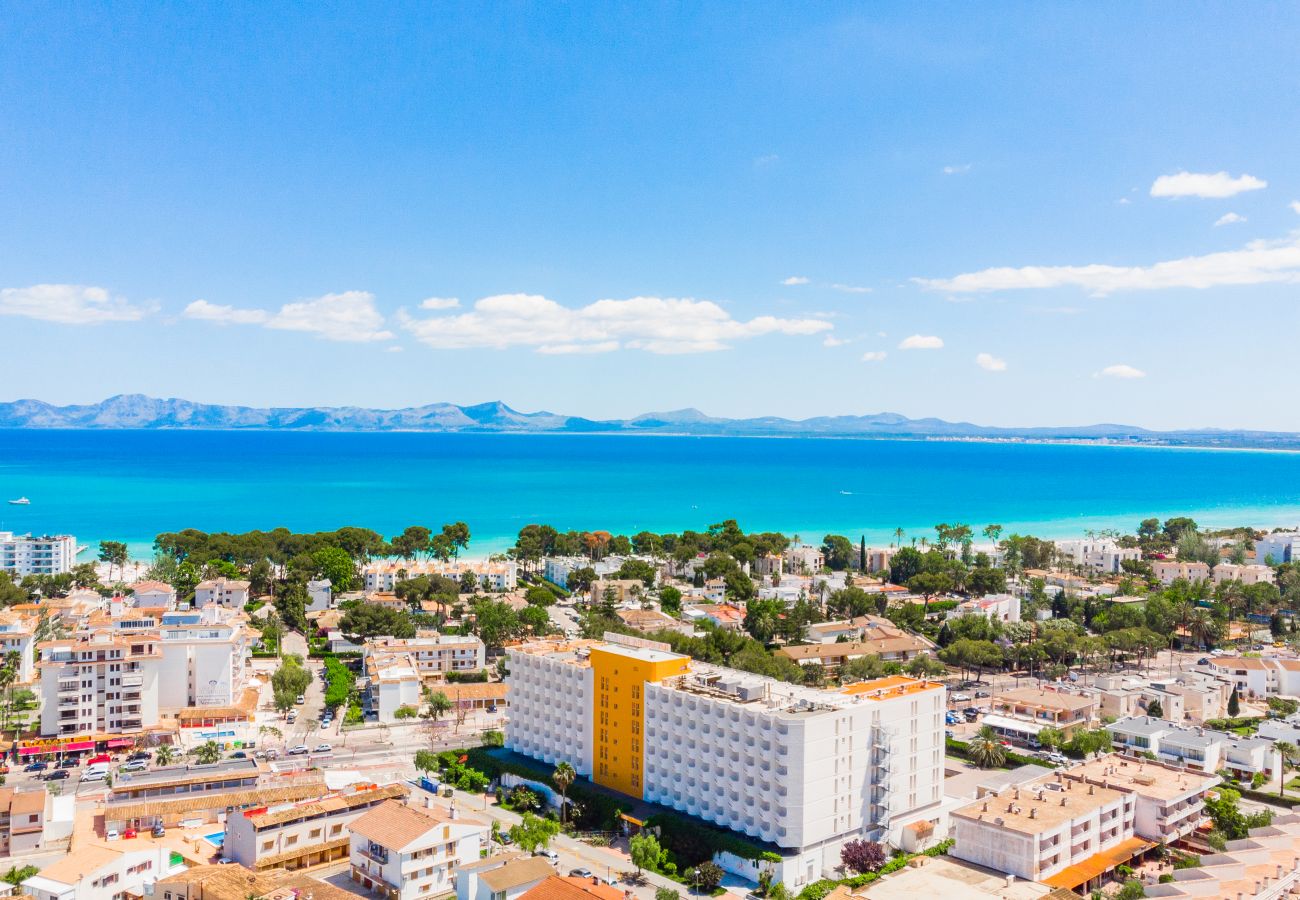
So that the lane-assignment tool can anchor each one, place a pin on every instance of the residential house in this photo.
(1101, 555)
(227, 592)
(22, 821)
(1246, 574)
(621, 590)
(404, 853)
(998, 607)
(557, 888)
(1264, 864)
(648, 621)
(723, 615)
(803, 559)
(1259, 677)
(1272, 550)
(153, 595)
(97, 871)
(501, 877)
(320, 595)
(306, 834)
(1199, 748)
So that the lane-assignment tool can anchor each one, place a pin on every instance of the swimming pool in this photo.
(216, 839)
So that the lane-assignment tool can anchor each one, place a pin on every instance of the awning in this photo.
(121, 742)
(69, 747)
(626, 818)
(1081, 873)
(1008, 724)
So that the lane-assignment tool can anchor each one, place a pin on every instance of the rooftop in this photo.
(397, 826)
(557, 888)
(1150, 779)
(1045, 698)
(517, 872)
(1039, 806)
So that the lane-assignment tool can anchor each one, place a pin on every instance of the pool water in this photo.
(216, 839)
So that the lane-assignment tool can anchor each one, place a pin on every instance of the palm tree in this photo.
(986, 749)
(562, 777)
(8, 675)
(898, 535)
(1287, 750)
(165, 754)
(1201, 627)
(207, 753)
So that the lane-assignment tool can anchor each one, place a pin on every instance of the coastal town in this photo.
(966, 713)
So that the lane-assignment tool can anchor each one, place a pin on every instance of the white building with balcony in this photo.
(801, 768)
(23, 554)
(404, 853)
(1099, 554)
(99, 683)
(227, 592)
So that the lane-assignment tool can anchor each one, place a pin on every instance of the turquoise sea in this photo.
(130, 485)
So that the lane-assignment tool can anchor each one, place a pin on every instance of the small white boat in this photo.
(21, 501)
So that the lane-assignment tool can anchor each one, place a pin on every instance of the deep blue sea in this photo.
(130, 485)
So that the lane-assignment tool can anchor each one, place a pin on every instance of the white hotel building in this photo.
(800, 768)
(492, 576)
(23, 554)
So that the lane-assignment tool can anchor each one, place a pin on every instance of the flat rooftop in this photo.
(1150, 779)
(1039, 806)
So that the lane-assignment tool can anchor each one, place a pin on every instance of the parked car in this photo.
(111, 834)
(1056, 758)
(580, 872)
(323, 748)
(550, 855)
(70, 762)
(36, 767)
(948, 733)
(979, 694)
(292, 717)
(971, 713)
(129, 834)
(299, 750)
(140, 754)
(159, 831)
(1203, 661)
(301, 700)
(225, 861)
(960, 698)
(239, 754)
(58, 775)
(137, 765)
(93, 776)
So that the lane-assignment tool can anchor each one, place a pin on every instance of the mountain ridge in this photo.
(139, 411)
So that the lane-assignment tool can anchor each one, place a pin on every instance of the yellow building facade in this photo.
(619, 676)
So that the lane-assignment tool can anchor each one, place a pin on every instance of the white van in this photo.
(94, 775)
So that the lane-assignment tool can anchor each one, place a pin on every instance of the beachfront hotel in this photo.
(802, 769)
(23, 554)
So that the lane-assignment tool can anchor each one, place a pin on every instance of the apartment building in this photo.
(392, 682)
(169, 797)
(100, 872)
(556, 569)
(22, 821)
(1264, 864)
(801, 768)
(403, 853)
(433, 654)
(1101, 555)
(648, 621)
(497, 576)
(304, 835)
(620, 590)
(1057, 830)
(153, 595)
(1198, 748)
(99, 683)
(1191, 697)
(1277, 548)
(1021, 714)
(890, 643)
(320, 595)
(1246, 574)
(1259, 677)
(1170, 799)
(18, 635)
(504, 876)
(767, 565)
(22, 554)
(226, 592)
(207, 658)
(1167, 571)
(803, 559)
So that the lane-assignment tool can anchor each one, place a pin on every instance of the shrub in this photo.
(862, 856)
(708, 875)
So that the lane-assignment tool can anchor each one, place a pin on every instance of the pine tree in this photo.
(1234, 705)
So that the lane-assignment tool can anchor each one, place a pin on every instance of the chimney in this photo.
(453, 811)
(1091, 789)
(986, 806)
(428, 802)
(1063, 800)
(1033, 814)
(1016, 793)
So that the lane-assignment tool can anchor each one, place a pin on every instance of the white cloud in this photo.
(990, 363)
(69, 304)
(1230, 218)
(1295, 206)
(795, 279)
(850, 289)
(393, 349)
(1214, 186)
(832, 341)
(766, 161)
(921, 342)
(957, 170)
(350, 316)
(440, 303)
(1121, 371)
(652, 324)
(874, 355)
(1123, 201)
(204, 311)
(1259, 262)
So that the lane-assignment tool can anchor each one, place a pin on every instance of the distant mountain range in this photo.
(136, 411)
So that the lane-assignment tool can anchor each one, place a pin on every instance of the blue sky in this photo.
(1012, 214)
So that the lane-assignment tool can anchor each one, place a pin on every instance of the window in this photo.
(267, 845)
(291, 840)
(315, 833)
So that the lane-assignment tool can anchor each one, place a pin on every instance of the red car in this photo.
(128, 834)
(102, 758)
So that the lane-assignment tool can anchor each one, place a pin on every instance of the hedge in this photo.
(597, 811)
(1266, 796)
(694, 842)
(819, 889)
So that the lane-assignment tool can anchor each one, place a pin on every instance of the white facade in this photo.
(803, 559)
(18, 635)
(153, 595)
(98, 872)
(1260, 676)
(206, 661)
(434, 654)
(99, 683)
(24, 554)
(1277, 548)
(999, 607)
(550, 716)
(1245, 574)
(412, 853)
(223, 592)
(497, 576)
(1170, 570)
(1099, 554)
